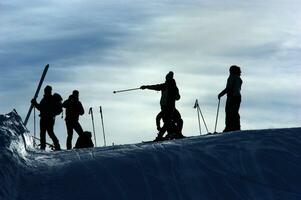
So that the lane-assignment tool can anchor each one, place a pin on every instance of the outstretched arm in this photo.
(157, 87)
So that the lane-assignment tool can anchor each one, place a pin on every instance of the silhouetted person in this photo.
(169, 96)
(173, 129)
(49, 107)
(74, 109)
(232, 90)
(84, 141)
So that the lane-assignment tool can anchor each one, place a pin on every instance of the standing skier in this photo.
(49, 107)
(169, 96)
(232, 90)
(74, 109)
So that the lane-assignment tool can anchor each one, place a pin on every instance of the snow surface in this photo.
(258, 164)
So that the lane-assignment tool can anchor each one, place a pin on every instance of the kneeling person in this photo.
(173, 125)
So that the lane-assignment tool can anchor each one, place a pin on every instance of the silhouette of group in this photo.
(49, 107)
(52, 105)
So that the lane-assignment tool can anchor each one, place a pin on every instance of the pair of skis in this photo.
(93, 125)
(31, 105)
(36, 94)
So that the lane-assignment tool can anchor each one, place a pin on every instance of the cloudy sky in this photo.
(101, 46)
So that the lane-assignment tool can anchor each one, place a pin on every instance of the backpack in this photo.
(57, 104)
(84, 141)
(177, 94)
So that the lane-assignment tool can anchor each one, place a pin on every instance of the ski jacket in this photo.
(233, 86)
(46, 107)
(169, 93)
(74, 109)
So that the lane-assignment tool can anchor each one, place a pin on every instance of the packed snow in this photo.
(257, 164)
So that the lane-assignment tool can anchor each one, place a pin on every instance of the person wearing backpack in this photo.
(49, 107)
(74, 109)
(232, 90)
(169, 96)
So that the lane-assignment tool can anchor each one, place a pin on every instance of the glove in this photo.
(143, 87)
(33, 101)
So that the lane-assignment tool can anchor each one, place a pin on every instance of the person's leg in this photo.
(179, 128)
(69, 134)
(161, 133)
(228, 115)
(78, 128)
(179, 121)
(165, 115)
(236, 116)
(50, 125)
(42, 134)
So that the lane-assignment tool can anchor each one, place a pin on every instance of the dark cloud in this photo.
(101, 46)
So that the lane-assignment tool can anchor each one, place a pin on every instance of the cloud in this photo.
(101, 46)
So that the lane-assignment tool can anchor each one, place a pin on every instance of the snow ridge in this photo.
(257, 164)
(12, 147)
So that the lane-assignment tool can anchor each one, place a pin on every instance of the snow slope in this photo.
(259, 164)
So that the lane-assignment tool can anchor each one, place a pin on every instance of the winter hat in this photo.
(235, 70)
(75, 93)
(169, 76)
(48, 88)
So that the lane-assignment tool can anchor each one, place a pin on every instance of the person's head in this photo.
(169, 76)
(48, 90)
(235, 70)
(75, 94)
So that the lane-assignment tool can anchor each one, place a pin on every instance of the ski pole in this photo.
(117, 91)
(217, 115)
(37, 93)
(196, 107)
(34, 127)
(50, 145)
(199, 109)
(103, 128)
(91, 112)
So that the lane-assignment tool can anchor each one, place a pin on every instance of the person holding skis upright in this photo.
(232, 90)
(74, 109)
(49, 107)
(169, 96)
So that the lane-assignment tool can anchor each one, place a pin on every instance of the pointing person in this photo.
(169, 96)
